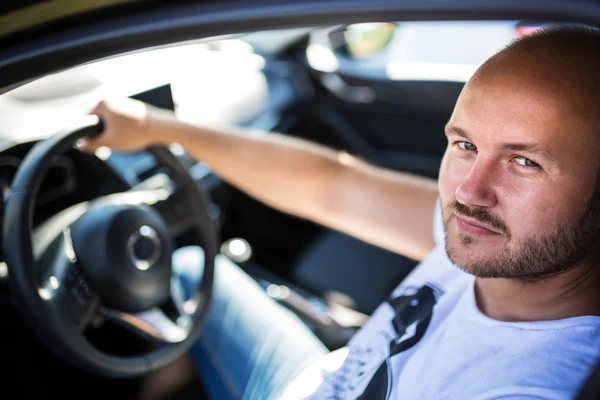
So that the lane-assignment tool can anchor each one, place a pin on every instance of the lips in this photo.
(469, 225)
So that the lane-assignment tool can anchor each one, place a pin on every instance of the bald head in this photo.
(559, 50)
(560, 65)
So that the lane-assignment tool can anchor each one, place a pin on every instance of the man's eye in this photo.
(526, 162)
(467, 146)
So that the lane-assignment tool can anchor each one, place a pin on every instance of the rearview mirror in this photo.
(366, 39)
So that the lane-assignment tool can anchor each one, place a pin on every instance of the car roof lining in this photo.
(35, 53)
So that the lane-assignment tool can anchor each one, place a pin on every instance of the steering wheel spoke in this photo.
(154, 324)
(157, 324)
(61, 283)
(168, 199)
(176, 213)
(82, 301)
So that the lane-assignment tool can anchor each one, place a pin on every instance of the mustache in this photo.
(479, 214)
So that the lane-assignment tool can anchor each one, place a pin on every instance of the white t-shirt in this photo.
(429, 340)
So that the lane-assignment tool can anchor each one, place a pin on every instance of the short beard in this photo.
(534, 258)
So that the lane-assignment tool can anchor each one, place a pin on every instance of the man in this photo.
(505, 303)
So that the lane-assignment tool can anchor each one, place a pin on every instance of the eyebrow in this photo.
(528, 147)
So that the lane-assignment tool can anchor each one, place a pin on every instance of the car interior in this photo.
(381, 91)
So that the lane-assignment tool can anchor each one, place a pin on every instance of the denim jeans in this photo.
(251, 347)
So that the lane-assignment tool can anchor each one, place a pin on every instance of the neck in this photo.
(573, 293)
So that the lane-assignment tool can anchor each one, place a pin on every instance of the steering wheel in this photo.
(108, 259)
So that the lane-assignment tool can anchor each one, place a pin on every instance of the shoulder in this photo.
(555, 365)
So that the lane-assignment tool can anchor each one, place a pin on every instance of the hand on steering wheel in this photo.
(129, 125)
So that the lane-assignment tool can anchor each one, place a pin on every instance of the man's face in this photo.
(517, 181)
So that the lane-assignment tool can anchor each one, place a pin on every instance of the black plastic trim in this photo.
(29, 56)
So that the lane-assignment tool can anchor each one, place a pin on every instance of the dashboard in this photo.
(78, 176)
(73, 177)
(59, 182)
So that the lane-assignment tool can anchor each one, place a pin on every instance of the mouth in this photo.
(472, 227)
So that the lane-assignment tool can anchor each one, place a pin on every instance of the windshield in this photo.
(212, 76)
(221, 80)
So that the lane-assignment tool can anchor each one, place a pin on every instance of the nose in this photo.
(476, 189)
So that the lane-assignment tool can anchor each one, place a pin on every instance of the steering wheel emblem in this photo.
(143, 247)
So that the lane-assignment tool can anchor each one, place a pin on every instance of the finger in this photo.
(83, 144)
(96, 110)
(89, 145)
